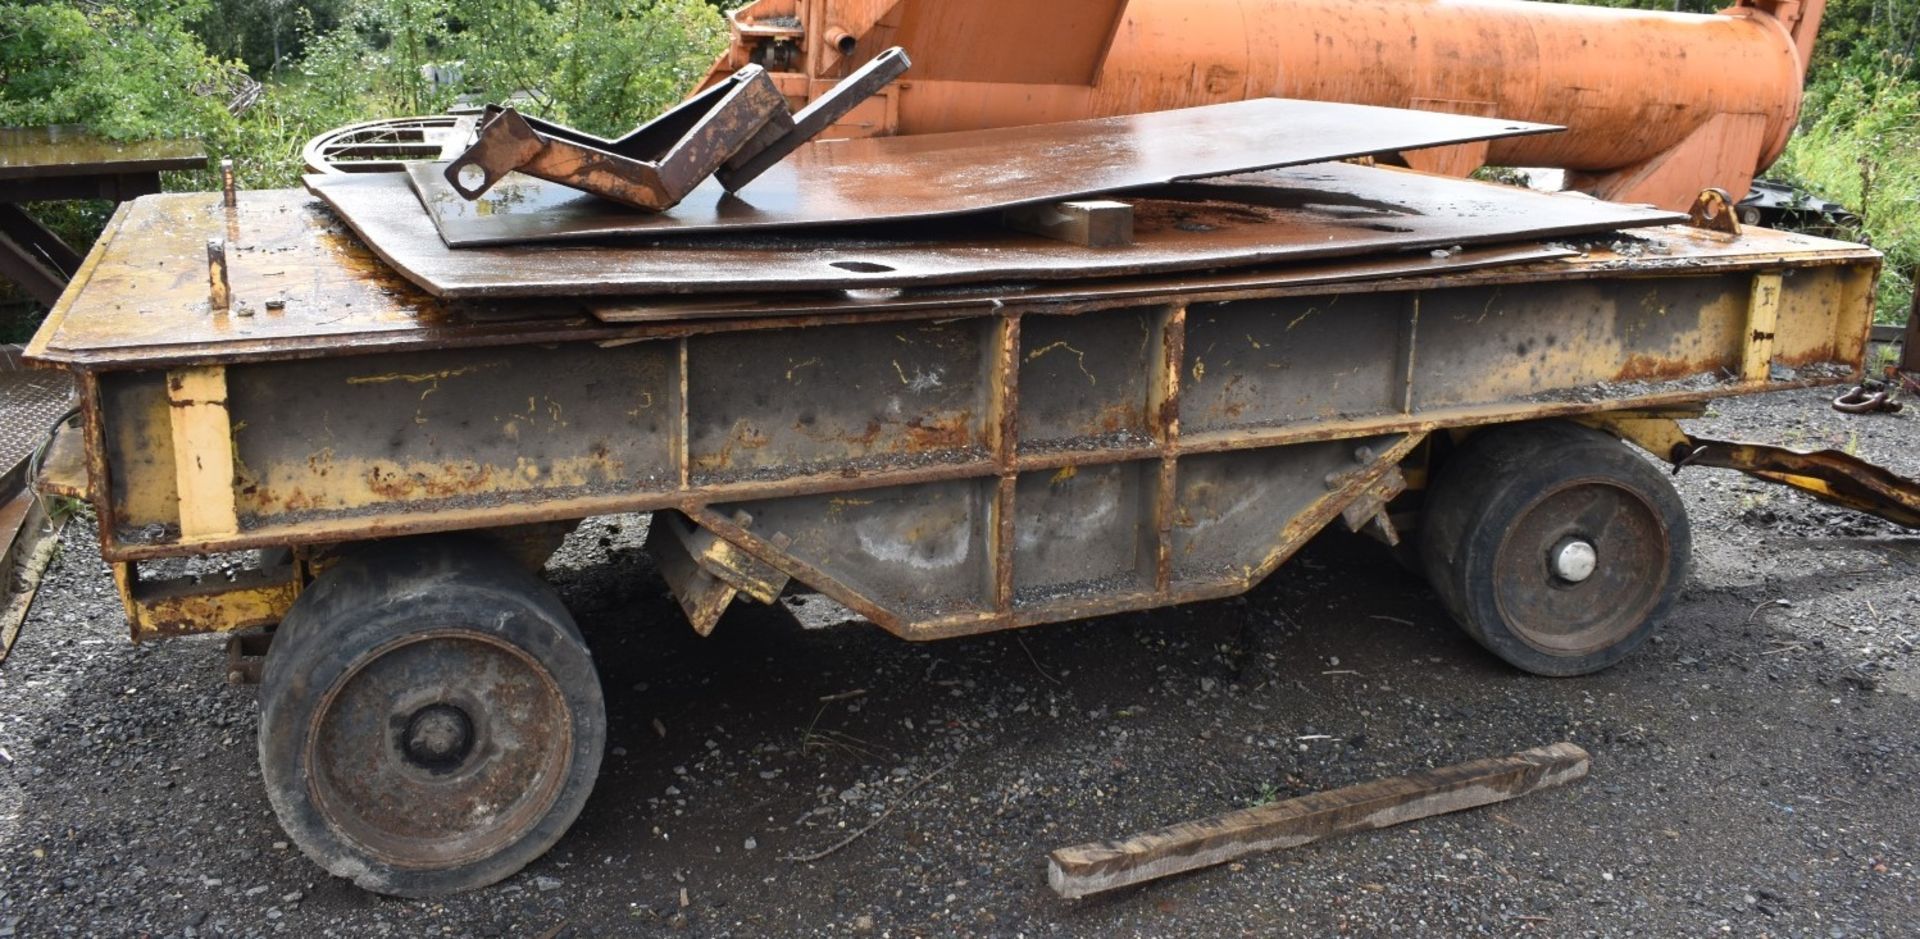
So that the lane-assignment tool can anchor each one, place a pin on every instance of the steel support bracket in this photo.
(706, 572)
(1830, 476)
(735, 129)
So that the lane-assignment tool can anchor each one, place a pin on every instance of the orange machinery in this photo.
(1658, 106)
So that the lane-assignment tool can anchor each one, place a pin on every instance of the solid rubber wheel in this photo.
(430, 719)
(1555, 546)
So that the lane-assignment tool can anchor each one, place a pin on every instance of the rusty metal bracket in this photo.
(1831, 476)
(1714, 210)
(651, 168)
(824, 112)
(705, 573)
(247, 656)
(735, 130)
(1828, 475)
(1858, 400)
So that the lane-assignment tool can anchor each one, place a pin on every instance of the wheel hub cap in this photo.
(440, 747)
(439, 736)
(1574, 560)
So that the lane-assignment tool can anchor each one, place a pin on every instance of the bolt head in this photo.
(1574, 560)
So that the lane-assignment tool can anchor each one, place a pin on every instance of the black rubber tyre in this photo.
(430, 720)
(1506, 520)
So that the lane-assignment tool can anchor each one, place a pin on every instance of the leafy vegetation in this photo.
(141, 68)
(1859, 138)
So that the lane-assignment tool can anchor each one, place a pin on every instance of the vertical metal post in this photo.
(1002, 431)
(218, 293)
(227, 194)
(1164, 415)
(1910, 345)
(1763, 316)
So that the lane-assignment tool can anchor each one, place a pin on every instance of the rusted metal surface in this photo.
(443, 745)
(1858, 400)
(1579, 615)
(651, 168)
(184, 606)
(1385, 272)
(63, 469)
(147, 305)
(987, 468)
(823, 112)
(1292, 214)
(64, 151)
(733, 132)
(705, 573)
(1714, 210)
(833, 182)
(943, 462)
(1828, 475)
(1719, 97)
(388, 144)
(63, 162)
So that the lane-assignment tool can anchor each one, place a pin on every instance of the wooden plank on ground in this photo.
(1087, 869)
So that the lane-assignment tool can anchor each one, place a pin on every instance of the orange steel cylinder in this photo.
(1657, 106)
(1628, 85)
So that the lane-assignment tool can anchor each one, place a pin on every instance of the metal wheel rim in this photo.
(388, 144)
(1563, 618)
(438, 814)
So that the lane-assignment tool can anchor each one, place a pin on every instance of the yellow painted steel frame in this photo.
(1231, 395)
(183, 606)
(943, 470)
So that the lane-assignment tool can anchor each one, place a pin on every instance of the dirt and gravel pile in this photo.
(1753, 772)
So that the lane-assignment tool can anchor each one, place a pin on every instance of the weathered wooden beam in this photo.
(1087, 869)
(1092, 223)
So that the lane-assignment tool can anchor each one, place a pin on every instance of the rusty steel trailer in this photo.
(944, 459)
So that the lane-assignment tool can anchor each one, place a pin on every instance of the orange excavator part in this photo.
(1658, 106)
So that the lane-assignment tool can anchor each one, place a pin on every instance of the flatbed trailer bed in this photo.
(943, 461)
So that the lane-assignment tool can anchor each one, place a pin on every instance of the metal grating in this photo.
(31, 400)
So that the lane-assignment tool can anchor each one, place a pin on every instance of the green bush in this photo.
(1861, 147)
(136, 69)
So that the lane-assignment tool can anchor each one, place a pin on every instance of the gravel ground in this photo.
(1753, 772)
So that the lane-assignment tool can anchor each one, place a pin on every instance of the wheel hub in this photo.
(1574, 560)
(442, 746)
(1551, 585)
(439, 736)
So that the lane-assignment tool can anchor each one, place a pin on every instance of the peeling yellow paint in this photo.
(415, 378)
(1079, 355)
(813, 361)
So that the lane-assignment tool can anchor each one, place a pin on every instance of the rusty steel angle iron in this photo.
(737, 129)
(651, 168)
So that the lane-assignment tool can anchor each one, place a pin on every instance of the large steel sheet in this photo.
(835, 182)
(1298, 213)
